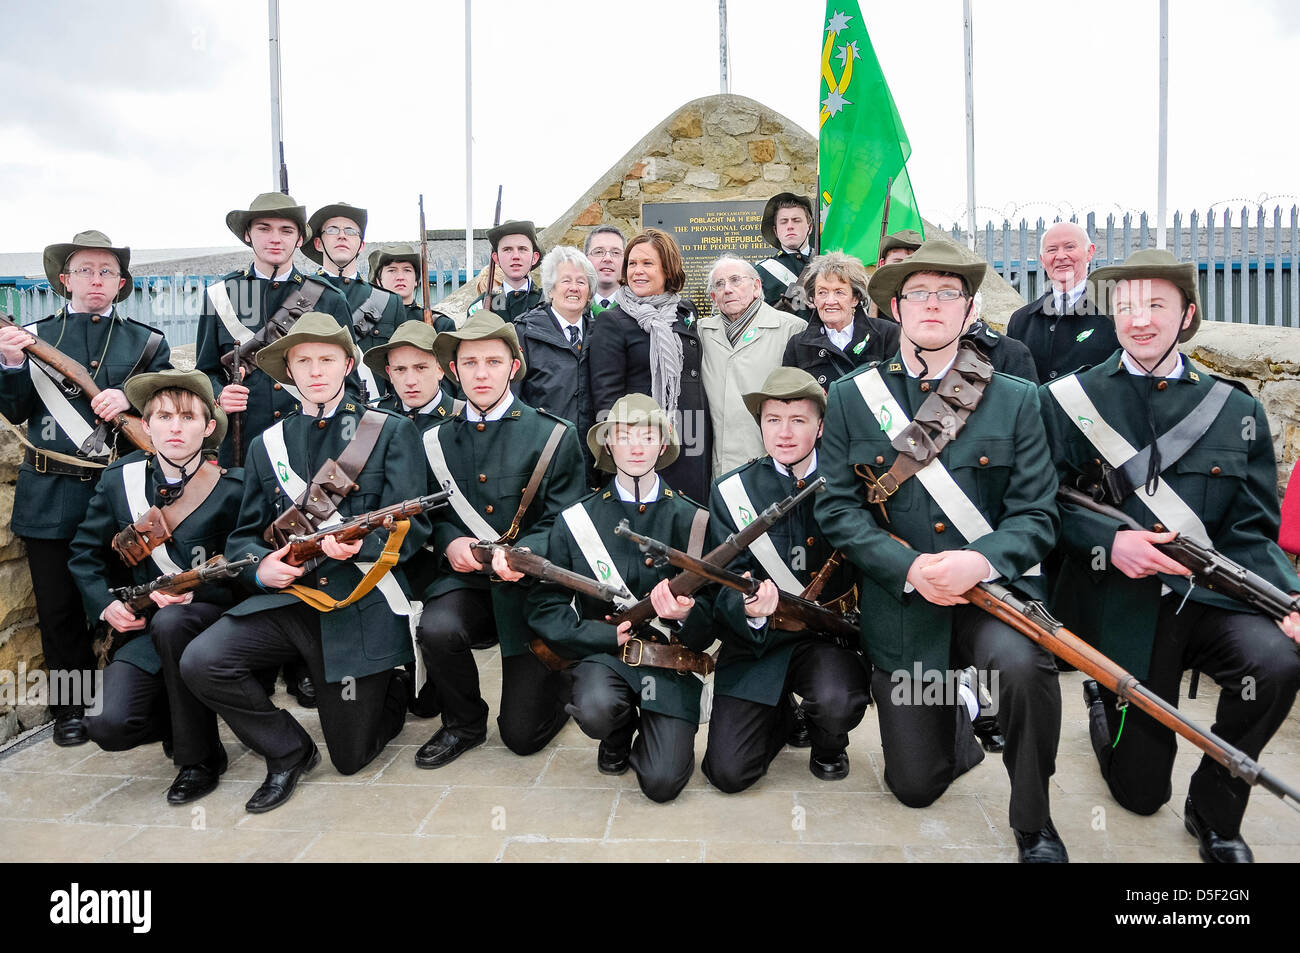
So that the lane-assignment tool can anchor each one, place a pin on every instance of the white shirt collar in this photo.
(782, 469)
(1072, 294)
(507, 287)
(426, 409)
(258, 273)
(1132, 367)
(841, 339)
(496, 413)
(648, 493)
(936, 375)
(805, 251)
(564, 323)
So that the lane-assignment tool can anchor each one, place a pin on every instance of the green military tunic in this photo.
(491, 462)
(376, 324)
(430, 415)
(585, 635)
(367, 636)
(254, 300)
(201, 535)
(415, 312)
(999, 460)
(49, 506)
(753, 662)
(509, 305)
(1228, 479)
(773, 287)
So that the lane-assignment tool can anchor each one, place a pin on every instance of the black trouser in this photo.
(66, 640)
(532, 696)
(358, 717)
(745, 736)
(605, 707)
(1258, 669)
(132, 708)
(193, 724)
(921, 739)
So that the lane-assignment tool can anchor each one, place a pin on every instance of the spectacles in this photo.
(736, 281)
(92, 272)
(921, 297)
(334, 230)
(605, 253)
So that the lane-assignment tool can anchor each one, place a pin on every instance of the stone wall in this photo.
(20, 640)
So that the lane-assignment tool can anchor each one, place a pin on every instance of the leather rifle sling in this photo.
(534, 482)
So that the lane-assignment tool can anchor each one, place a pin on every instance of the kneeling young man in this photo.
(961, 495)
(511, 470)
(333, 460)
(165, 513)
(626, 685)
(1208, 473)
(760, 664)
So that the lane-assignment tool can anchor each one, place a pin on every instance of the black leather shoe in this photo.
(1091, 693)
(990, 735)
(610, 760)
(443, 748)
(1215, 849)
(69, 731)
(278, 786)
(1041, 847)
(829, 767)
(799, 736)
(196, 780)
(304, 691)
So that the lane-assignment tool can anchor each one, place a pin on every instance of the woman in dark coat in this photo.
(647, 343)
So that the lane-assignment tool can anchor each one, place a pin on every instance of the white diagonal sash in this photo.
(137, 502)
(594, 550)
(1167, 505)
(65, 415)
(220, 299)
(743, 512)
(778, 271)
(934, 476)
(460, 503)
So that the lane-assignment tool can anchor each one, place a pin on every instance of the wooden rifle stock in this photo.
(304, 549)
(539, 567)
(136, 598)
(47, 354)
(1034, 622)
(793, 613)
(685, 583)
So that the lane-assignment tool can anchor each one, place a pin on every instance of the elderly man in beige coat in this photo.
(742, 341)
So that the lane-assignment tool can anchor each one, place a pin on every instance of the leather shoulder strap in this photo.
(336, 478)
(534, 481)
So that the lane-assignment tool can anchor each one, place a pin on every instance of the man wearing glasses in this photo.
(338, 242)
(742, 342)
(604, 249)
(960, 504)
(63, 458)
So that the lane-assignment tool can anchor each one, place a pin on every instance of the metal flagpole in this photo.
(970, 127)
(724, 81)
(279, 172)
(469, 152)
(1162, 174)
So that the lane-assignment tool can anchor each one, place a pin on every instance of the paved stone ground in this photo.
(83, 804)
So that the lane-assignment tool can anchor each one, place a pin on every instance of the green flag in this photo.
(861, 145)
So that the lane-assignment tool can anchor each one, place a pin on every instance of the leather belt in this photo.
(45, 464)
(635, 653)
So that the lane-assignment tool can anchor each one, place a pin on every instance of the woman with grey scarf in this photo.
(647, 343)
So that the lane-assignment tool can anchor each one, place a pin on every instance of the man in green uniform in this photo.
(338, 240)
(1207, 472)
(949, 505)
(620, 689)
(262, 301)
(787, 227)
(516, 251)
(511, 469)
(180, 488)
(349, 614)
(396, 268)
(760, 665)
(57, 476)
(406, 364)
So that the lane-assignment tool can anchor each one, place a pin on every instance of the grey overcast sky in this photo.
(150, 119)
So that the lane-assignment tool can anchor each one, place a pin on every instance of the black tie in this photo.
(573, 335)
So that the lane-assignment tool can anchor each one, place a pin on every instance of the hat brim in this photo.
(140, 389)
(274, 358)
(318, 220)
(598, 434)
(445, 344)
(888, 280)
(239, 219)
(55, 259)
(768, 227)
(754, 401)
(1182, 275)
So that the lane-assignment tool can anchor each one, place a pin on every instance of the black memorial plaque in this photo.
(705, 231)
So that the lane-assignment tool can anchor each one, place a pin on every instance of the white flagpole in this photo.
(469, 152)
(970, 127)
(277, 142)
(1162, 174)
(724, 80)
